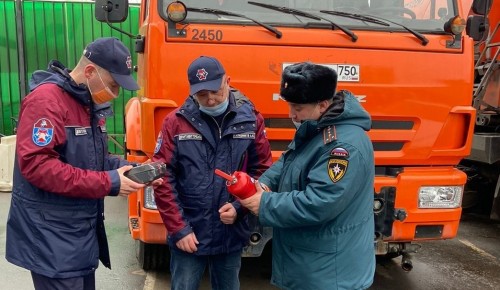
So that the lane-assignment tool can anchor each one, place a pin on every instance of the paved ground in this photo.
(470, 261)
(125, 273)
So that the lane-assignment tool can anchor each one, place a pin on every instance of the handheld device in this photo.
(146, 173)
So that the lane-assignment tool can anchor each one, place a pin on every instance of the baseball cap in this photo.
(110, 54)
(205, 73)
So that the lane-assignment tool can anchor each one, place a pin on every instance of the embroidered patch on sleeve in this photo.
(338, 163)
(337, 168)
(158, 143)
(43, 131)
(339, 152)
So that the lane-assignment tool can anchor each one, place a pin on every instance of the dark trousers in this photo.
(187, 270)
(77, 283)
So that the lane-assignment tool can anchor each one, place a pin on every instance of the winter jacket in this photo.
(191, 195)
(321, 207)
(62, 172)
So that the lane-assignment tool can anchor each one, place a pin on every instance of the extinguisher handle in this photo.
(224, 175)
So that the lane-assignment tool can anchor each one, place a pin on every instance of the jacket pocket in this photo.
(195, 198)
(308, 269)
(66, 241)
(315, 239)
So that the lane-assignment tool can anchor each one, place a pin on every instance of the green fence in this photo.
(34, 32)
(9, 67)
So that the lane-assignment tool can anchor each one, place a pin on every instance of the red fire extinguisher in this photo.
(238, 184)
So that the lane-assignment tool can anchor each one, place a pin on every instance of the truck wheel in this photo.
(152, 256)
(384, 258)
(390, 256)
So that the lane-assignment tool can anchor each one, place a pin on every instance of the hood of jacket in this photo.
(345, 110)
(58, 74)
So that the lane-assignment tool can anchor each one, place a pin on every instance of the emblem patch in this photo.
(158, 143)
(128, 62)
(201, 74)
(337, 169)
(43, 131)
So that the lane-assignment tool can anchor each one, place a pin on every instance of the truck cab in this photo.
(409, 63)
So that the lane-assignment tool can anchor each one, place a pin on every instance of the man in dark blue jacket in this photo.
(216, 128)
(63, 170)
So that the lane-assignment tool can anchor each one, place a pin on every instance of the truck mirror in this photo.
(111, 11)
(477, 27)
(481, 7)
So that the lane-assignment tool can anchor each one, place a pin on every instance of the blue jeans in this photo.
(187, 270)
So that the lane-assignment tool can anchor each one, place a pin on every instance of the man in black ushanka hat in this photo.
(305, 83)
(318, 196)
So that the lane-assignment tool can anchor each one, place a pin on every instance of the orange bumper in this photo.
(422, 223)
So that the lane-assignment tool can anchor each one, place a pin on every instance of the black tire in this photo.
(152, 256)
(390, 256)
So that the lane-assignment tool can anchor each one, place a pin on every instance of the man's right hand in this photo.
(127, 186)
(188, 243)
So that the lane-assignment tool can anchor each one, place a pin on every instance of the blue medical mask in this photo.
(296, 124)
(215, 110)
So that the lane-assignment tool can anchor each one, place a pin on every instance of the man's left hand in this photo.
(227, 214)
(253, 202)
(157, 182)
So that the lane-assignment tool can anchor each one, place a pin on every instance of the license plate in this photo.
(345, 72)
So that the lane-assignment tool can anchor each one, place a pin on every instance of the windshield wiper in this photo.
(379, 20)
(355, 16)
(227, 13)
(307, 15)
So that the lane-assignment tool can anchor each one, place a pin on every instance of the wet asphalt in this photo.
(470, 261)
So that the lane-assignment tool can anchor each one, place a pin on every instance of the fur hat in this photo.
(305, 83)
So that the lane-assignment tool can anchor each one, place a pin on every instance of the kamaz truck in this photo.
(410, 63)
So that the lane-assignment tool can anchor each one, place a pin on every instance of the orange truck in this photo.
(482, 191)
(409, 62)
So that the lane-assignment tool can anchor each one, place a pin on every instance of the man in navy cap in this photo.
(216, 128)
(63, 170)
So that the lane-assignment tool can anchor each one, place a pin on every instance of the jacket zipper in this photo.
(221, 123)
(220, 138)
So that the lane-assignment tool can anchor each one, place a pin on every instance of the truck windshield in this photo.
(419, 15)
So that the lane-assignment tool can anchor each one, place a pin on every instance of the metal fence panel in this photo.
(9, 69)
(56, 30)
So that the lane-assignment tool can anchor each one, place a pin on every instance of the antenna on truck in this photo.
(114, 11)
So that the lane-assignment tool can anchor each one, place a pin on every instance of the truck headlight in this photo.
(149, 198)
(440, 196)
